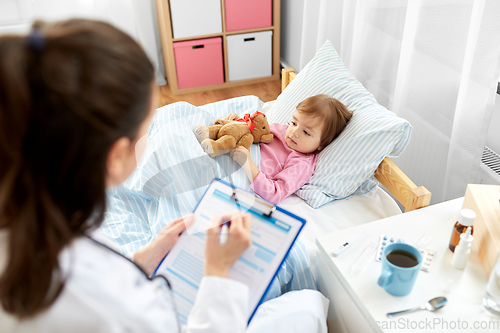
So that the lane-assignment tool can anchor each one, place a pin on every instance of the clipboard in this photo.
(274, 231)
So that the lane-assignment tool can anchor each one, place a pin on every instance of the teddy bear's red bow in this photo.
(249, 119)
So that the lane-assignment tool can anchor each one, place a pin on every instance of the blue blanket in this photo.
(172, 176)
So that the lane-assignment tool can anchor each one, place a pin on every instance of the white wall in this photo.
(291, 31)
(493, 139)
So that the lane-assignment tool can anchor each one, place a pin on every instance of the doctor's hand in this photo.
(150, 256)
(219, 258)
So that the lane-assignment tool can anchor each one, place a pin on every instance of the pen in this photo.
(225, 227)
(224, 233)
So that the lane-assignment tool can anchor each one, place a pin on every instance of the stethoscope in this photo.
(146, 275)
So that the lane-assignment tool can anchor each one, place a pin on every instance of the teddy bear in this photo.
(225, 135)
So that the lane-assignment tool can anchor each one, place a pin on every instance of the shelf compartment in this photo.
(248, 14)
(195, 17)
(249, 55)
(199, 62)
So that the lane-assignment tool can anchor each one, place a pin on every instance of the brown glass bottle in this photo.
(465, 219)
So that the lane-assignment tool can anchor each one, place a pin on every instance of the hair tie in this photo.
(36, 41)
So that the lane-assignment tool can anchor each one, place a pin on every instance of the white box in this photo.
(195, 17)
(249, 55)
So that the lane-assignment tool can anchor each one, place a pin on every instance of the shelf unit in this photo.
(167, 40)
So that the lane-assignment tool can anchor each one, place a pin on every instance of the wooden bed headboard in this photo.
(387, 173)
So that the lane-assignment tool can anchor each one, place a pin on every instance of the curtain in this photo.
(135, 17)
(433, 62)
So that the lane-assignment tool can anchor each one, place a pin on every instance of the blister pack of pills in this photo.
(383, 242)
(427, 255)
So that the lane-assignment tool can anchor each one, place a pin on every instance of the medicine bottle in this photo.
(465, 219)
(462, 250)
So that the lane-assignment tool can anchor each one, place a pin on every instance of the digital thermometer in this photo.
(344, 246)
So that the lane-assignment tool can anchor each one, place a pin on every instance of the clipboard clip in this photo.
(245, 199)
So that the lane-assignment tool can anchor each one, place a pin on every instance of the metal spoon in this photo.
(432, 305)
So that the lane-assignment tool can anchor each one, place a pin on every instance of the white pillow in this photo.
(346, 166)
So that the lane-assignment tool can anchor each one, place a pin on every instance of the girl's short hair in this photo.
(331, 112)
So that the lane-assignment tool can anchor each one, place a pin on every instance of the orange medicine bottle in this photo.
(465, 219)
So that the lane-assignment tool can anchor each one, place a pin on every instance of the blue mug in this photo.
(396, 279)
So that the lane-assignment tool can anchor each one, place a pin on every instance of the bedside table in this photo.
(359, 304)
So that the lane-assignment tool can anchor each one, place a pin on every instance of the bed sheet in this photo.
(172, 176)
(339, 215)
(163, 188)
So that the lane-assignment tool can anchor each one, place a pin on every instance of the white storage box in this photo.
(195, 17)
(249, 56)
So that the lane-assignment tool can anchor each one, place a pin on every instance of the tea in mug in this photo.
(402, 258)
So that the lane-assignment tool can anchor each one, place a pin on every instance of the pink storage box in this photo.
(199, 62)
(248, 14)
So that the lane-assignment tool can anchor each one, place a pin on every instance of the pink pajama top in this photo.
(282, 169)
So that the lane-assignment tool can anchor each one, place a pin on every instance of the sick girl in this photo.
(287, 163)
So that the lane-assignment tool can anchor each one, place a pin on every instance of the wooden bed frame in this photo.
(387, 173)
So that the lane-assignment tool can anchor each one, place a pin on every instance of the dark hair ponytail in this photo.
(67, 93)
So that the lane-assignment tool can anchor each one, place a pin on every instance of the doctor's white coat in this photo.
(105, 292)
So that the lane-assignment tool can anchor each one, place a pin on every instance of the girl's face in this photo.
(304, 133)
(122, 158)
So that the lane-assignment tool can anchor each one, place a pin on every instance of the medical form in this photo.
(273, 233)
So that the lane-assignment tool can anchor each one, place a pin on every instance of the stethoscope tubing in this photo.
(146, 275)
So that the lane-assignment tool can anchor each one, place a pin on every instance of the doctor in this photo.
(75, 96)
